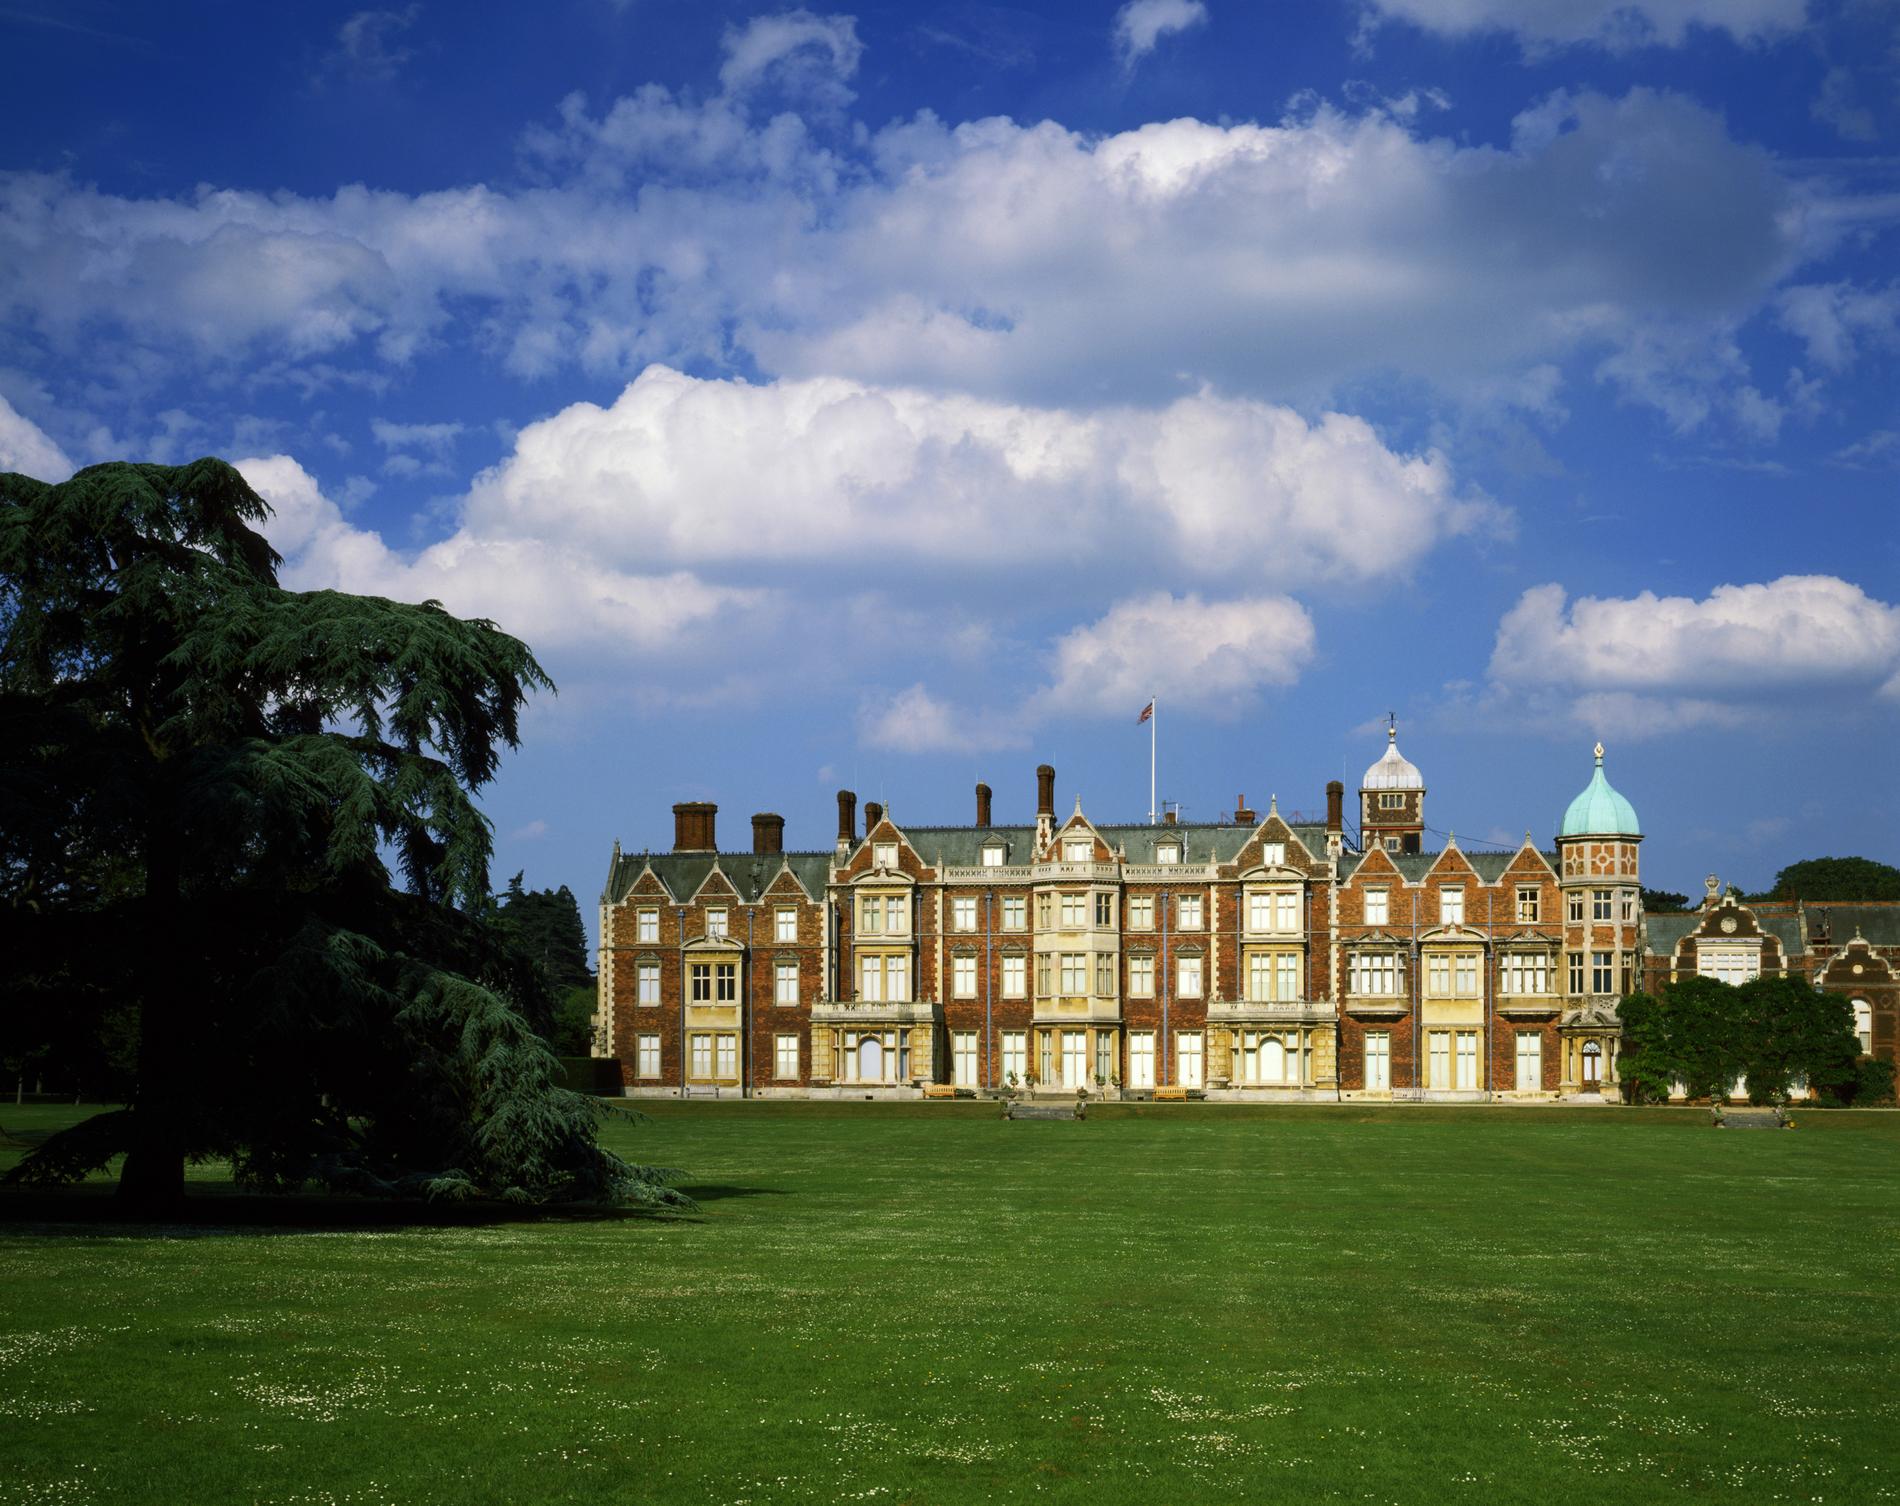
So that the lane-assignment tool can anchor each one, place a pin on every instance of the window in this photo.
(1602, 972)
(1629, 906)
(1273, 910)
(1600, 904)
(1187, 977)
(716, 923)
(1104, 1056)
(1075, 911)
(1379, 1061)
(963, 1058)
(1015, 1054)
(1105, 910)
(1732, 964)
(702, 1052)
(1187, 1058)
(1045, 975)
(1467, 1061)
(884, 977)
(1527, 906)
(1530, 1061)
(1075, 972)
(870, 914)
(1439, 1077)
(785, 924)
(896, 914)
(963, 913)
(1273, 854)
(1863, 1025)
(1015, 912)
(1266, 1059)
(1375, 973)
(884, 854)
(1045, 912)
(1168, 852)
(646, 927)
(1273, 976)
(1573, 907)
(647, 1061)
(785, 1056)
(1104, 976)
(1015, 976)
(1187, 912)
(1078, 850)
(1525, 973)
(785, 983)
(1390, 800)
(1141, 976)
(963, 976)
(1465, 974)
(700, 973)
(1141, 912)
(1141, 1058)
(1451, 907)
(1438, 975)
(992, 856)
(1378, 907)
(725, 982)
(1575, 969)
(646, 983)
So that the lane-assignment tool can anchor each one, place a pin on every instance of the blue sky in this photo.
(895, 396)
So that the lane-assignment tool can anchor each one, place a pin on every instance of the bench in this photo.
(1017, 1109)
(939, 1090)
(1752, 1119)
(1174, 1093)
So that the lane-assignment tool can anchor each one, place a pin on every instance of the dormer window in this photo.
(1168, 852)
(716, 924)
(1451, 907)
(884, 854)
(1077, 850)
(1273, 854)
(993, 855)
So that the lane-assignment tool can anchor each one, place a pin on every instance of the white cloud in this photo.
(26, 448)
(915, 721)
(542, 589)
(1027, 263)
(1140, 24)
(1199, 654)
(805, 55)
(1658, 663)
(1838, 105)
(1836, 320)
(369, 44)
(1618, 25)
(682, 470)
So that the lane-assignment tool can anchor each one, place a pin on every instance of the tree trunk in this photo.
(152, 1182)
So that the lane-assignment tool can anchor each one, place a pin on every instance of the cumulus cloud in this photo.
(1660, 663)
(915, 721)
(1838, 320)
(800, 53)
(1026, 263)
(690, 470)
(26, 448)
(543, 589)
(1140, 24)
(1618, 25)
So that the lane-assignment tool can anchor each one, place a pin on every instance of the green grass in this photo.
(923, 1303)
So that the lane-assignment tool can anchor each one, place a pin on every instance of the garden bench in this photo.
(1016, 1109)
(1752, 1119)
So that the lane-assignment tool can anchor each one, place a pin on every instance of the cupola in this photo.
(1600, 811)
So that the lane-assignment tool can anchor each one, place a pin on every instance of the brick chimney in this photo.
(982, 805)
(1045, 803)
(1168, 817)
(873, 813)
(1243, 816)
(693, 826)
(1335, 805)
(768, 832)
(847, 818)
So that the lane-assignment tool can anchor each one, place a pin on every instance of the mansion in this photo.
(1259, 958)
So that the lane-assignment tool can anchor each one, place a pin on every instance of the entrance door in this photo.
(870, 1059)
(1075, 1059)
(1592, 1065)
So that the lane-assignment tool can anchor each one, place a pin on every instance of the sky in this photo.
(897, 396)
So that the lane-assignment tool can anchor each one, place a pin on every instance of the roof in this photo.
(962, 846)
(1600, 811)
(750, 873)
(1393, 771)
(1878, 922)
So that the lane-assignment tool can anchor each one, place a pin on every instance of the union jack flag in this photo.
(1146, 712)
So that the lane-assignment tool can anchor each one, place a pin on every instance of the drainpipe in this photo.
(746, 1084)
(685, 987)
(989, 1029)
(1414, 987)
(1161, 1077)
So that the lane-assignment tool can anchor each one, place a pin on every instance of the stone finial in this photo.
(1599, 752)
(1712, 886)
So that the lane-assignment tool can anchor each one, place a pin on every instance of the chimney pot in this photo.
(1045, 789)
(1335, 805)
(847, 816)
(1243, 816)
(1167, 818)
(982, 805)
(873, 813)
(693, 826)
(768, 832)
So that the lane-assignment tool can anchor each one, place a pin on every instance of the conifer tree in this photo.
(201, 774)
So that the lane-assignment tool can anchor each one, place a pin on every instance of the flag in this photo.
(1146, 712)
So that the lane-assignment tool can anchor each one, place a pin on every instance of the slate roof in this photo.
(1665, 931)
(962, 846)
(750, 873)
(1489, 866)
(1878, 922)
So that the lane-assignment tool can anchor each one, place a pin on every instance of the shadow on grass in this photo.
(719, 1194)
(83, 1210)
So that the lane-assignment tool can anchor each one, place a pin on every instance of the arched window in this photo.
(870, 1059)
(1864, 1026)
(1272, 1060)
(1592, 1062)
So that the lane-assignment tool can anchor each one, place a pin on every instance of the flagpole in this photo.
(1154, 726)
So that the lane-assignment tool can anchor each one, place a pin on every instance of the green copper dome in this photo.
(1599, 811)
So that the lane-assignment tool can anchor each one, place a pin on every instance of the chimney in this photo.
(1243, 816)
(768, 833)
(873, 813)
(1167, 817)
(982, 805)
(1045, 790)
(847, 817)
(1335, 805)
(693, 826)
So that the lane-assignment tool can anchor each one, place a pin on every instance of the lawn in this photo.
(923, 1303)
